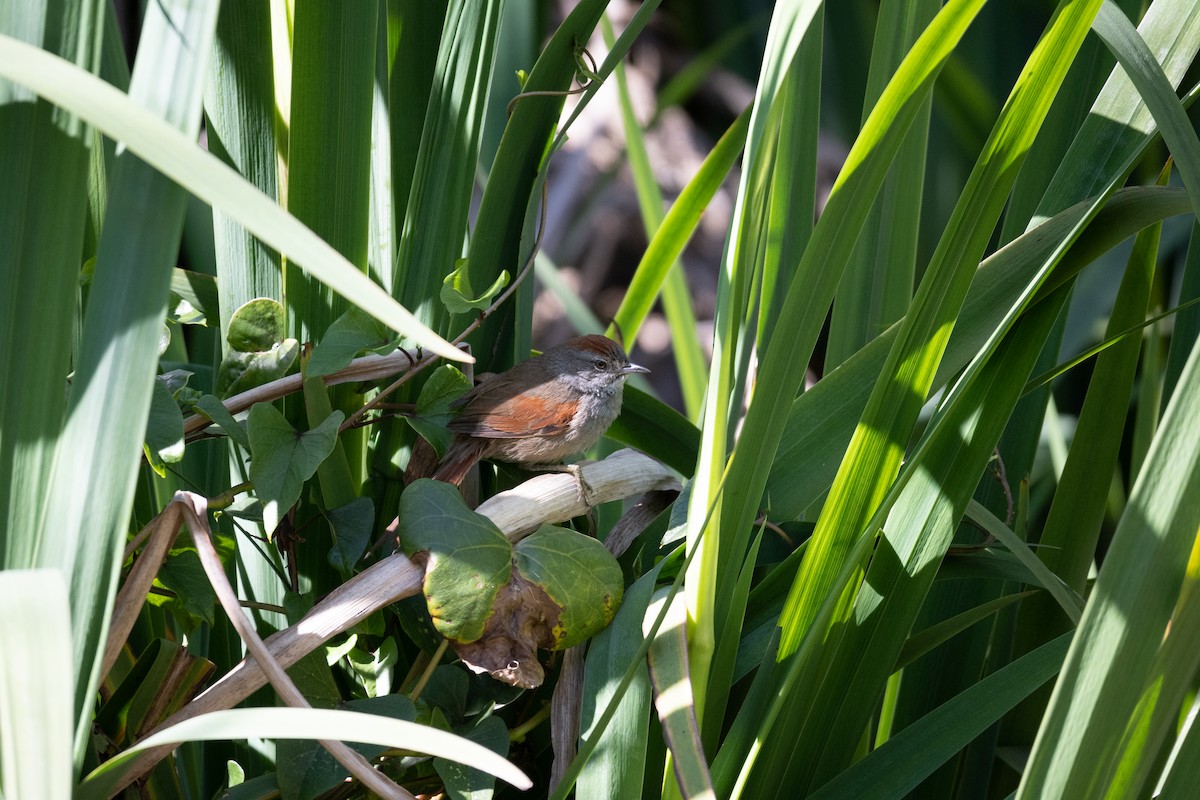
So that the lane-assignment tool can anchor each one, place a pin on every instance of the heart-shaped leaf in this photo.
(259, 350)
(469, 559)
(578, 574)
(282, 458)
(352, 333)
(433, 411)
(164, 426)
(351, 526)
(457, 294)
(257, 326)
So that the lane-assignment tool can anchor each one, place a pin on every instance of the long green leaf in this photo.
(878, 444)
(329, 147)
(100, 447)
(689, 360)
(239, 103)
(311, 723)
(438, 203)
(177, 157)
(496, 241)
(877, 285)
(677, 227)
(812, 287)
(36, 717)
(42, 211)
(822, 419)
(895, 769)
(1127, 614)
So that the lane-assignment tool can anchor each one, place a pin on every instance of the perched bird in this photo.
(542, 410)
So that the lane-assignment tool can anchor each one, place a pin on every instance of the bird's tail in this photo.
(464, 453)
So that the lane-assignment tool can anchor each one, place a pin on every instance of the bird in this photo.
(540, 411)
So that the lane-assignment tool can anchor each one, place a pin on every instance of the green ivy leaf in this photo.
(181, 312)
(469, 558)
(456, 291)
(466, 783)
(305, 768)
(282, 458)
(351, 525)
(578, 574)
(433, 411)
(164, 426)
(257, 326)
(374, 672)
(352, 333)
(195, 291)
(214, 410)
(241, 371)
(259, 350)
(182, 573)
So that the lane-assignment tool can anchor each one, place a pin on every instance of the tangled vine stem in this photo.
(584, 76)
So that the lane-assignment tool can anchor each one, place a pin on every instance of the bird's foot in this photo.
(586, 495)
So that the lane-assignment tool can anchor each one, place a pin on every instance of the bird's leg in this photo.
(585, 492)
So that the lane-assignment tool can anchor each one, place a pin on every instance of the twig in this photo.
(364, 368)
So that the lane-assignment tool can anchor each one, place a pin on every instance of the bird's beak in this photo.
(629, 369)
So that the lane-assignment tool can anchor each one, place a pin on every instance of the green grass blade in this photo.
(878, 444)
(101, 444)
(329, 148)
(842, 674)
(707, 592)
(42, 211)
(782, 367)
(1156, 89)
(311, 723)
(177, 157)
(792, 205)
(822, 419)
(907, 758)
(617, 768)
(496, 240)
(1156, 718)
(1120, 125)
(1187, 322)
(439, 200)
(689, 360)
(1128, 612)
(1183, 771)
(678, 226)
(1073, 525)
(877, 285)
(36, 717)
(414, 33)
(239, 102)
(381, 236)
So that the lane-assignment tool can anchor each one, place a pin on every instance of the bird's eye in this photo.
(600, 364)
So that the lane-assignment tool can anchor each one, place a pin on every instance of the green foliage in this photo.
(458, 296)
(469, 558)
(580, 577)
(445, 385)
(282, 458)
(259, 350)
(915, 503)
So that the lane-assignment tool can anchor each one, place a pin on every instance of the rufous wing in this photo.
(492, 415)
